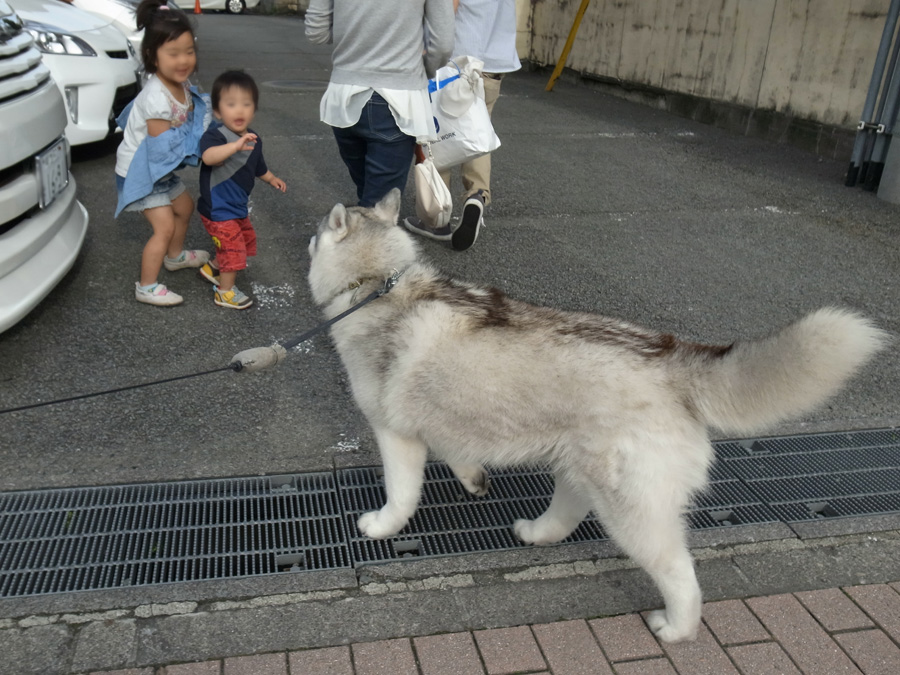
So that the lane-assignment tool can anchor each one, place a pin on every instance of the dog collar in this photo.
(388, 283)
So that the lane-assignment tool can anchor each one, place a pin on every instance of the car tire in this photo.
(235, 6)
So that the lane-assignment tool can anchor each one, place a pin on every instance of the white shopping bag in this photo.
(434, 204)
(464, 129)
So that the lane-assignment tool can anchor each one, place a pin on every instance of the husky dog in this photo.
(619, 412)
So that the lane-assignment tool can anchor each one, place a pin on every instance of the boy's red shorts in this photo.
(234, 241)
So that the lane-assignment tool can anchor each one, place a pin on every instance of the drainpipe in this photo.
(865, 176)
(867, 124)
(874, 164)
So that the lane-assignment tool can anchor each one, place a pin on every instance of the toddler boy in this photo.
(232, 161)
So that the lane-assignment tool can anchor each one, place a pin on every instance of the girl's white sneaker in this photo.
(186, 259)
(159, 295)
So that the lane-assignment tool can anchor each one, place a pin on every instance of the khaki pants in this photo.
(476, 174)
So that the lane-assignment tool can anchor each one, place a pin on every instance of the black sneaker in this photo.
(470, 223)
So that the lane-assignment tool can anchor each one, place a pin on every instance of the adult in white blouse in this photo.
(377, 99)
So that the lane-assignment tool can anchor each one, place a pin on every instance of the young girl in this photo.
(145, 162)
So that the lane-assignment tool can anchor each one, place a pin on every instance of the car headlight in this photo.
(52, 40)
(130, 49)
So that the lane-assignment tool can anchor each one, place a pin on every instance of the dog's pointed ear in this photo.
(337, 221)
(389, 206)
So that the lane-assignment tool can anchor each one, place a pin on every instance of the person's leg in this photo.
(249, 235)
(232, 257)
(389, 154)
(210, 271)
(246, 237)
(352, 148)
(162, 220)
(182, 208)
(476, 180)
(476, 174)
(226, 280)
(148, 290)
(231, 251)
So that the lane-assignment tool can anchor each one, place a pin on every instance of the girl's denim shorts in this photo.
(165, 190)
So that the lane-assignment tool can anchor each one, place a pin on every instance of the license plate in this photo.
(52, 171)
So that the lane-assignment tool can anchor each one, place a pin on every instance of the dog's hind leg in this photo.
(648, 527)
(567, 509)
(404, 471)
(473, 477)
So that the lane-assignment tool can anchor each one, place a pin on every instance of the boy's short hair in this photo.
(234, 78)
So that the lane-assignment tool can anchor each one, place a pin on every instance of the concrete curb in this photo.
(126, 629)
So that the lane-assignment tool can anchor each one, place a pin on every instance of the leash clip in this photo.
(390, 282)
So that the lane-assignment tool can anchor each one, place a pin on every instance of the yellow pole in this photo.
(565, 52)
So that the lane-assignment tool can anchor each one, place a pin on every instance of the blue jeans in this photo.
(377, 154)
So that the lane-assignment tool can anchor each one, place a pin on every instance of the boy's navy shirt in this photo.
(225, 189)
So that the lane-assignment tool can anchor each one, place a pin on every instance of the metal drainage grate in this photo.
(809, 477)
(451, 521)
(54, 541)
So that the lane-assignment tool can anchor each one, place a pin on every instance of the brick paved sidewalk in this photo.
(841, 630)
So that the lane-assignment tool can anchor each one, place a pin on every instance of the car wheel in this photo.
(234, 6)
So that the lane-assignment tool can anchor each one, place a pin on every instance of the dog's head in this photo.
(358, 243)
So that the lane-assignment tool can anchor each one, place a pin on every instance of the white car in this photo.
(230, 6)
(93, 64)
(122, 13)
(42, 225)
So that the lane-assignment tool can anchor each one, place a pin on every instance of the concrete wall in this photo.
(794, 71)
(810, 59)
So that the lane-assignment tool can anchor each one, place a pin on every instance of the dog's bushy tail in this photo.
(756, 384)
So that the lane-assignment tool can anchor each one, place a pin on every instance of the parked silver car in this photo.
(42, 225)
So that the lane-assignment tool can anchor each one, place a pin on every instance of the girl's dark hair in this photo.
(234, 78)
(161, 24)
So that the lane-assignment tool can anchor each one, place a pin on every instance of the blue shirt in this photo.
(225, 189)
(157, 156)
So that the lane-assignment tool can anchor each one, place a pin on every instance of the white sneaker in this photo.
(416, 226)
(186, 259)
(159, 295)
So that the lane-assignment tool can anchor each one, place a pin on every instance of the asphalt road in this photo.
(600, 205)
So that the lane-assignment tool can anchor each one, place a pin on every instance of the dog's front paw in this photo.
(530, 532)
(477, 484)
(376, 525)
(524, 531)
(537, 532)
(658, 622)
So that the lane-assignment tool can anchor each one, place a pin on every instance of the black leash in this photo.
(389, 283)
(112, 391)
(235, 366)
